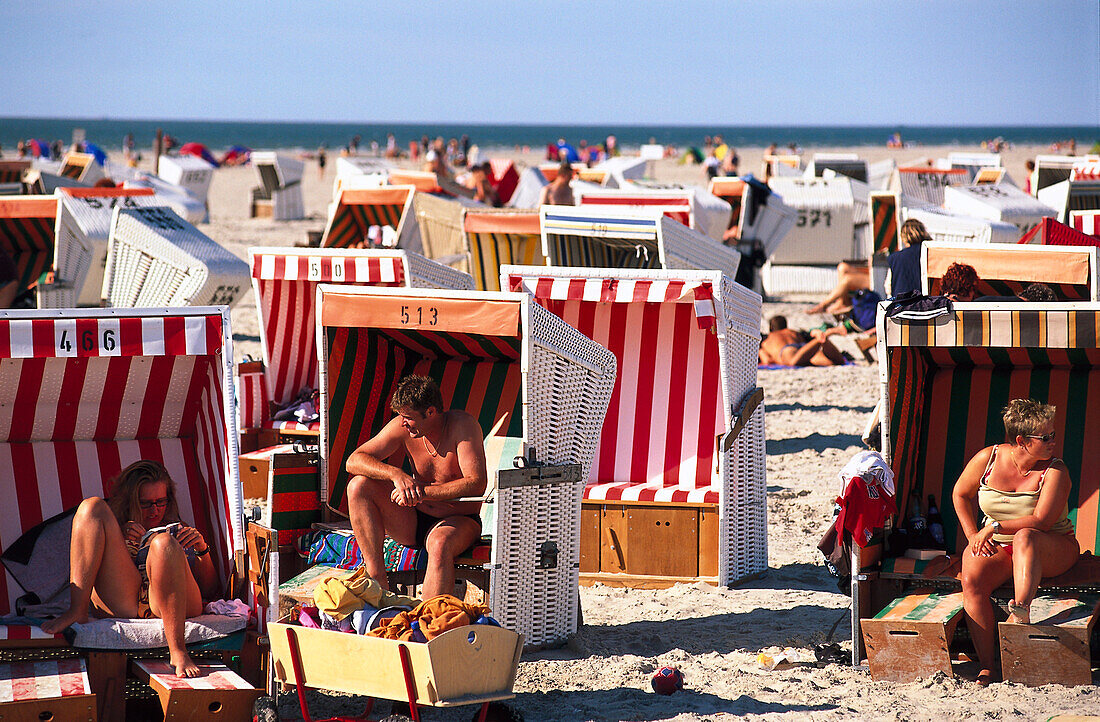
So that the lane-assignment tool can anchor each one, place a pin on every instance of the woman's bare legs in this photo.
(980, 576)
(849, 279)
(173, 596)
(101, 571)
(1037, 554)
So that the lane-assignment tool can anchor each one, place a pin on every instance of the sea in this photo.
(108, 134)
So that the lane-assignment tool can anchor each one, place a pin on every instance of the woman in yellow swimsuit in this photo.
(1012, 504)
(115, 571)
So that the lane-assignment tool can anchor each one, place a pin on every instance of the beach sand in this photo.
(814, 419)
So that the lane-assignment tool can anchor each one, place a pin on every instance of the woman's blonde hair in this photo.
(914, 232)
(124, 490)
(1024, 417)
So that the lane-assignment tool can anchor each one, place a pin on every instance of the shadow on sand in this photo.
(643, 705)
(814, 442)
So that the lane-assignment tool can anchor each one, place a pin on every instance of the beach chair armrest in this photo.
(741, 418)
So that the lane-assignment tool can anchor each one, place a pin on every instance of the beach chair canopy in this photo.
(1051, 169)
(93, 391)
(438, 228)
(926, 184)
(155, 258)
(277, 171)
(1072, 195)
(605, 237)
(357, 210)
(698, 332)
(82, 231)
(505, 178)
(845, 164)
(285, 281)
(11, 171)
(500, 236)
(27, 235)
(824, 232)
(693, 206)
(1087, 222)
(1006, 269)
(997, 202)
(973, 162)
(528, 190)
(182, 203)
(190, 172)
(1052, 233)
(945, 226)
(945, 385)
(81, 167)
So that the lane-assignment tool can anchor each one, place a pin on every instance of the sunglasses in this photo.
(158, 503)
(1044, 437)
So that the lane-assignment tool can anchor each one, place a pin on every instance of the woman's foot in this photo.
(816, 308)
(64, 621)
(985, 678)
(183, 665)
(1019, 613)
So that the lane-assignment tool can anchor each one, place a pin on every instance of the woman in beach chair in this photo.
(1025, 533)
(132, 557)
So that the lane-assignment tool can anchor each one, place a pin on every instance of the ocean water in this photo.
(219, 135)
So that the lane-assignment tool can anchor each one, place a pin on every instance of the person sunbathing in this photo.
(116, 571)
(1022, 493)
(785, 347)
(559, 192)
(422, 509)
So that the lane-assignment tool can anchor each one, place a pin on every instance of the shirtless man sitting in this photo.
(559, 192)
(421, 510)
(785, 347)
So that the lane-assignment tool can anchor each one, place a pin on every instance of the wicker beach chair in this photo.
(605, 237)
(285, 281)
(189, 172)
(943, 225)
(80, 246)
(694, 207)
(1052, 169)
(27, 235)
(997, 202)
(356, 210)
(92, 391)
(1080, 192)
(497, 236)
(279, 195)
(677, 488)
(81, 167)
(155, 258)
(944, 383)
(845, 164)
(11, 176)
(973, 162)
(1087, 222)
(1052, 233)
(535, 381)
(926, 184)
(1005, 270)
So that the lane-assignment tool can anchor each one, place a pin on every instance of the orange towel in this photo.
(435, 616)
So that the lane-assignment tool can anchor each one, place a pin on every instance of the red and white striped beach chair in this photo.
(1006, 269)
(156, 258)
(531, 380)
(80, 246)
(1052, 233)
(686, 344)
(692, 206)
(1088, 222)
(605, 237)
(94, 390)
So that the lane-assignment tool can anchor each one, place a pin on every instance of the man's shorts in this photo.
(426, 522)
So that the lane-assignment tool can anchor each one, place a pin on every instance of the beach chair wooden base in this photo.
(1054, 648)
(650, 545)
(55, 689)
(218, 694)
(909, 639)
(255, 469)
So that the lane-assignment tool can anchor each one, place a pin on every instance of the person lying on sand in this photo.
(787, 347)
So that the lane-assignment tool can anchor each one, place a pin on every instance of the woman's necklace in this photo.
(1017, 464)
(429, 449)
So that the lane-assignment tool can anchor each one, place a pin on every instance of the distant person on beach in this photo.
(435, 161)
(1011, 501)
(478, 180)
(731, 162)
(559, 192)
(904, 273)
(711, 164)
(1029, 166)
(851, 277)
(321, 159)
(391, 146)
(422, 509)
(766, 165)
(786, 347)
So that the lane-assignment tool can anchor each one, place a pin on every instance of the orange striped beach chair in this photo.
(605, 237)
(944, 384)
(497, 236)
(81, 167)
(356, 210)
(678, 460)
(1006, 269)
(533, 382)
(27, 226)
(11, 176)
(92, 391)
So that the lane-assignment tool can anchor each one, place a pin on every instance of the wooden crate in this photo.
(53, 689)
(910, 638)
(217, 694)
(1054, 648)
(255, 469)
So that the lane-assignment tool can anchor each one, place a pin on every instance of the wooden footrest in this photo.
(218, 694)
(910, 637)
(52, 689)
(1054, 648)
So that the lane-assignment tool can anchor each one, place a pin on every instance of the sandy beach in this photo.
(814, 418)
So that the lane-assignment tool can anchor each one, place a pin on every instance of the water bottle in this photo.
(935, 522)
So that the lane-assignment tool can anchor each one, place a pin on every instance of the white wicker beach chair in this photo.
(155, 258)
(80, 244)
(682, 459)
(845, 164)
(1080, 192)
(189, 172)
(943, 225)
(1051, 169)
(926, 184)
(604, 237)
(1000, 202)
(520, 371)
(279, 195)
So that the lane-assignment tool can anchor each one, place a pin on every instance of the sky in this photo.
(811, 62)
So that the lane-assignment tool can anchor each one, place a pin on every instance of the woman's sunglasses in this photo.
(1043, 438)
(158, 503)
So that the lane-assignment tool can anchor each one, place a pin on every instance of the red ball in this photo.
(667, 680)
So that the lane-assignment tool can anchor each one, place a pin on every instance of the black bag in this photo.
(914, 306)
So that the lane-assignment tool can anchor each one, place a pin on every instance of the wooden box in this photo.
(217, 694)
(255, 469)
(52, 689)
(467, 665)
(910, 638)
(1054, 648)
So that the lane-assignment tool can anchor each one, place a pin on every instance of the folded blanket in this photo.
(149, 633)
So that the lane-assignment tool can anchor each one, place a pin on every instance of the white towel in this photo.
(872, 468)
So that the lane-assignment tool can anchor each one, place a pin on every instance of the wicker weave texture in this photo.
(425, 273)
(155, 258)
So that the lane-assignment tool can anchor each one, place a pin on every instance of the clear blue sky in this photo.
(823, 62)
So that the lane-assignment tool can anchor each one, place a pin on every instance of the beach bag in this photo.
(864, 308)
(914, 306)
